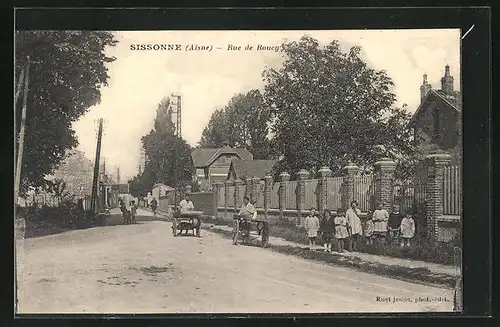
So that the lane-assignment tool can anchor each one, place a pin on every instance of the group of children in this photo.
(129, 214)
(346, 227)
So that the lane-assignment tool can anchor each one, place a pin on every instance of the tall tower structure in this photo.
(177, 118)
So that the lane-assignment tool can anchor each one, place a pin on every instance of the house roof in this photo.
(168, 188)
(453, 102)
(252, 168)
(203, 157)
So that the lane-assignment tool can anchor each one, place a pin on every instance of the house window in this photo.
(435, 119)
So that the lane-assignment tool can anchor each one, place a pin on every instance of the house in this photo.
(160, 190)
(77, 171)
(212, 164)
(242, 169)
(437, 121)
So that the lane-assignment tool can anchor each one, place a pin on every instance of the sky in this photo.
(207, 80)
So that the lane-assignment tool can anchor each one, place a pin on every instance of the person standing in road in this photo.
(355, 228)
(133, 211)
(311, 225)
(153, 206)
(380, 218)
(327, 229)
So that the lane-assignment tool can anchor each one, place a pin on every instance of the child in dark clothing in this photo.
(394, 223)
(327, 229)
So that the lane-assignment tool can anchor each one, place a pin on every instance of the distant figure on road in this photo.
(312, 227)
(186, 204)
(133, 211)
(153, 205)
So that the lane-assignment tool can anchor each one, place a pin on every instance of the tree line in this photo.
(322, 107)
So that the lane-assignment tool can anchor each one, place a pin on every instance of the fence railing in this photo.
(275, 196)
(334, 189)
(363, 192)
(311, 201)
(291, 195)
(452, 191)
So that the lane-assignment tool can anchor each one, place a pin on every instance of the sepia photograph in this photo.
(238, 171)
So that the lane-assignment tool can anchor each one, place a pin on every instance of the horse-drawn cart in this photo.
(250, 229)
(186, 221)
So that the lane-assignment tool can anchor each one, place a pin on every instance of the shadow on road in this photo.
(114, 220)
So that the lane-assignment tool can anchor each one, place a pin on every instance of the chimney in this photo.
(118, 175)
(447, 82)
(424, 88)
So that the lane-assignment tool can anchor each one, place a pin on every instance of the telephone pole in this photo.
(95, 186)
(177, 111)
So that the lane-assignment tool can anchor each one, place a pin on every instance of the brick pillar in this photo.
(322, 195)
(384, 182)
(350, 171)
(284, 178)
(255, 190)
(227, 196)
(434, 164)
(268, 186)
(238, 199)
(301, 194)
(248, 188)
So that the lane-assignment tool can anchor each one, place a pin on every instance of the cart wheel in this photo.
(236, 231)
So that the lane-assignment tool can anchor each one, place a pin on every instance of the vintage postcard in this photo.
(298, 171)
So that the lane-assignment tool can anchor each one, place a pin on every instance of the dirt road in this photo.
(143, 269)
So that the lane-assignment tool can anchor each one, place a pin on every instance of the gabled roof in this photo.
(454, 103)
(168, 188)
(252, 168)
(203, 157)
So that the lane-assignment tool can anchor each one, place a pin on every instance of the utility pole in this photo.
(95, 186)
(22, 128)
(178, 134)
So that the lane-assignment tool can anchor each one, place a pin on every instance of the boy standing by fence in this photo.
(394, 224)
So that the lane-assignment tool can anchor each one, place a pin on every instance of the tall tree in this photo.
(65, 80)
(167, 154)
(329, 107)
(244, 122)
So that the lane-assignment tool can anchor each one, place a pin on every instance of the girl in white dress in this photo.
(312, 227)
(407, 230)
(341, 225)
